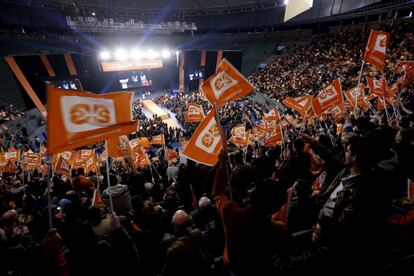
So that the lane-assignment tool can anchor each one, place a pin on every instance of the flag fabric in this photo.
(195, 113)
(227, 84)
(85, 153)
(78, 118)
(376, 48)
(10, 167)
(42, 151)
(272, 115)
(62, 167)
(328, 98)
(158, 140)
(408, 68)
(392, 94)
(205, 144)
(90, 164)
(377, 87)
(172, 155)
(12, 154)
(68, 155)
(337, 112)
(138, 156)
(319, 181)
(97, 200)
(275, 137)
(118, 147)
(239, 136)
(351, 95)
(78, 163)
(300, 104)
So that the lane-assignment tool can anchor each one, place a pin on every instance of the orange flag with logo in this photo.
(272, 115)
(63, 166)
(408, 67)
(205, 144)
(328, 98)
(12, 154)
(118, 147)
(378, 42)
(300, 104)
(392, 95)
(42, 151)
(377, 87)
(195, 113)
(158, 140)
(227, 84)
(77, 118)
(275, 137)
(351, 95)
(337, 112)
(239, 136)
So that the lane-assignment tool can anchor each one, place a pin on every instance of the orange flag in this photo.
(272, 115)
(10, 167)
(78, 118)
(85, 153)
(300, 104)
(172, 155)
(42, 151)
(97, 200)
(239, 136)
(337, 112)
(378, 42)
(408, 67)
(351, 95)
(90, 164)
(227, 84)
(12, 154)
(195, 113)
(63, 166)
(158, 140)
(118, 147)
(328, 98)
(205, 144)
(377, 87)
(392, 95)
(275, 137)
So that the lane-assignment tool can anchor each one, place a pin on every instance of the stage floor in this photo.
(150, 108)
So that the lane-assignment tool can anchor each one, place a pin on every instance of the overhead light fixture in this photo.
(93, 14)
(166, 53)
(104, 55)
(121, 54)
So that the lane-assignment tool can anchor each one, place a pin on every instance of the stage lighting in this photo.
(121, 54)
(286, 2)
(151, 54)
(136, 54)
(105, 55)
(166, 53)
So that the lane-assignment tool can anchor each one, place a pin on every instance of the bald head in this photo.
(180, 219)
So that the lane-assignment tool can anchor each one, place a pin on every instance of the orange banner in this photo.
(375, 51)
(300, 104)
(272, 115)
(158, 140)
(227, 84)
(118, 147)
(351, 95)
(205, 144)
(195, 113)
(78, 118)
(377, 87)
(275, 137)
(328, 98)
(62, 167)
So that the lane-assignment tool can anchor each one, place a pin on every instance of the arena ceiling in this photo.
(157, 5)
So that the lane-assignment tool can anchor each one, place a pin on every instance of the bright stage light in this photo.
(105, 55)
(166, 53)
(286, 2)
(136, 54)
(121, 54)
(151, 54)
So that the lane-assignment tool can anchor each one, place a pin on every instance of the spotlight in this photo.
(286, 2)
(151, 54)
(166, 54)
(105, 55)
(136, 54)
(121, 54)
(93, 14)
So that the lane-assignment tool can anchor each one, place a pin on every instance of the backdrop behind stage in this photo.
(78, 71)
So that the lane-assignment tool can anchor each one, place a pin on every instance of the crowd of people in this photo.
(325, 201)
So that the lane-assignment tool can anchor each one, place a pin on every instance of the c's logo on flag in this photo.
(93, 114)
(221, 82)
(327, 94)
(86, 113)
(209, 137)
(381, 43)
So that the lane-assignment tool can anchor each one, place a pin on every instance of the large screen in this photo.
(111, 66)
(135, 79)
